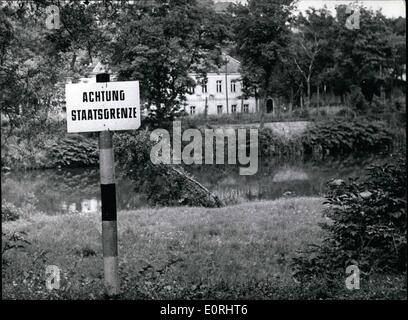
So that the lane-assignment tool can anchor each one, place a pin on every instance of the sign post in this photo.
(105, 106)
(109, 216)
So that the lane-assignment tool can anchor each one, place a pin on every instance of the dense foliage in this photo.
(166, 185)
(367, 226)
(74, 151)
(47, 151)
(322, 57)
(340, 137)
(9, 212)
(160, 46)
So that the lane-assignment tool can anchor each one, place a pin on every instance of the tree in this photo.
(261, 33)
(29, 73)
(309, 50)
(160, 46)
(363, 55)
(35, 61)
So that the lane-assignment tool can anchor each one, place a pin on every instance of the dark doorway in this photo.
(269, 106)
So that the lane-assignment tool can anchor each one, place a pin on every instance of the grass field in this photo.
(167, 252)
(242, 251)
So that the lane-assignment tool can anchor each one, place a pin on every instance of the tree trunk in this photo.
(206, 108)
(262, 107)
(308, 93)
(291, 100)
(318, 97)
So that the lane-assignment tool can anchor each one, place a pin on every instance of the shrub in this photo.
(378, 106)
(15, 240)
(163, 184)
(273, 145)
(9, 212)
(345, 136)
(400, 105)
(302, 113)
(323, 112)
(74, 151)
(357, 100)
(367, 226)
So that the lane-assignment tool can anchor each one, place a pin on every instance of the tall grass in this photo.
(240, 251)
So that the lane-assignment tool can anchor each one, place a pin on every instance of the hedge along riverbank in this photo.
(73, 150)
(329, 138)
(344, 137)
(321, 138)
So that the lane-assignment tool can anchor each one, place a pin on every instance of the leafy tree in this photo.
(309, 49)
(261, 33)
(28, 72)
(160, 46)
(35, 61)
(362, 55)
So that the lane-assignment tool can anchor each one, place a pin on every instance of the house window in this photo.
(192, 109)
(234, 108)
(191, 90)
(233, 86)
(246, 108)
(219, 85)
(219, 109)
(204, 88)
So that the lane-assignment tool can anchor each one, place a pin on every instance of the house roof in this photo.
(232, 66)
(221, 7)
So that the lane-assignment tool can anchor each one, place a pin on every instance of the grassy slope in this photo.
(242, 251)
(232, 252)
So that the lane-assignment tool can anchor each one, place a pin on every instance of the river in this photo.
(59, 191)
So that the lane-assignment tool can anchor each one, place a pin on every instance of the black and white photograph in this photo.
(217, 152)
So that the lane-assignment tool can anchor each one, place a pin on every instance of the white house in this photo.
(221, 93)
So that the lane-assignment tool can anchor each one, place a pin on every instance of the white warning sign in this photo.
(103, 106)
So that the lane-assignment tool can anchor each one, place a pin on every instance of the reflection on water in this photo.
(78, 191)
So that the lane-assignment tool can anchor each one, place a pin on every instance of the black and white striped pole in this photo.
(108, 197)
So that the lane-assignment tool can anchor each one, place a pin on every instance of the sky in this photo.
(390, 8)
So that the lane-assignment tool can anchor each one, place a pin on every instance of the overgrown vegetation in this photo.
(49, 150)
(167, 253)
(162, 184)
(345, 136)
(337, 137)
(367, 228)
(74, 151)
(234, 252)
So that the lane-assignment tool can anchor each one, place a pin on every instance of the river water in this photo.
(59, 191)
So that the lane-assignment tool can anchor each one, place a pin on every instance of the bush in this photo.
(400, 105)
(302, 113)
(163, 184)
(340, 137)
(378, 106)
(357, 100)
(9, 212)
(367, 226)
(74, 151)
(273, 145)
(323, 112)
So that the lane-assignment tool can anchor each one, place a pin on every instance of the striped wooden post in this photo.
(108, 197)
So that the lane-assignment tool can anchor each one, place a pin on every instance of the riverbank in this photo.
(290, 139)
(241, 251)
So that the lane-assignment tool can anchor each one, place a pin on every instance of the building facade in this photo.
(221, 94)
